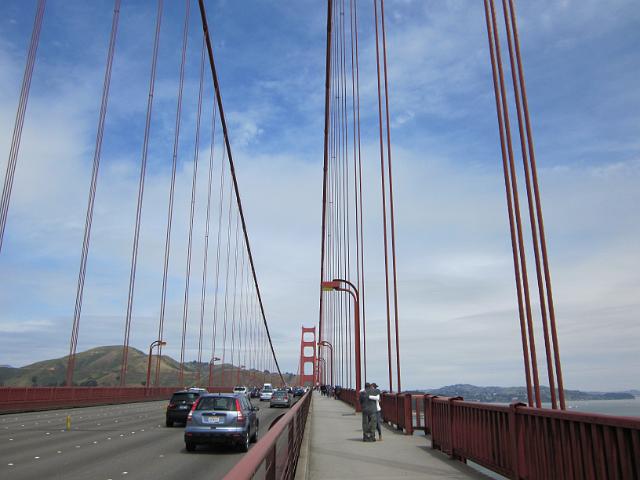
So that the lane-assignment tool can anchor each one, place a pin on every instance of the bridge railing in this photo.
(23, 399)
(518, 441)
(276, 454)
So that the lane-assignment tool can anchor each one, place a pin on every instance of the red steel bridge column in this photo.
(306, 359)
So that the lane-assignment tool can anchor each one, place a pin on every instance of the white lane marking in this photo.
(58, 451)
(124, 473)
(36, 458)
(161, 456)
(47, 433)
(10, 464)
(95, 441)
(108, 438)
(77, 446)
(11, 439)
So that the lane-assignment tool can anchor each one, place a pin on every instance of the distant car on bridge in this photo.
(281, 398)
(180, 405)
(222, 418)
(241, 389)
(254, 392)
(267, 392)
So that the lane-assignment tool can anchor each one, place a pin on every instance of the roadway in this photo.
(107, 442)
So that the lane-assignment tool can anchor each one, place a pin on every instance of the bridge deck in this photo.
(336, 450)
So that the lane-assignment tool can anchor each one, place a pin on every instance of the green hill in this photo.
(100, 366)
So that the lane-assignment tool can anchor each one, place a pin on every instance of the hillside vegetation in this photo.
(100, 366)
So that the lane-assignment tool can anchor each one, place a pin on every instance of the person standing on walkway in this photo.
(378, 394)
(370, 412)
(362, 394)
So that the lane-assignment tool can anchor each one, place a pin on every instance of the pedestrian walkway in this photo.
(335, 450)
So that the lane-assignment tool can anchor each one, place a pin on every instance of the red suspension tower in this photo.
(307, 357)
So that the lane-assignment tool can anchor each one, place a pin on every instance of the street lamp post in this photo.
(214, 359)
(324, 343)
(337, 284)
(153, 344)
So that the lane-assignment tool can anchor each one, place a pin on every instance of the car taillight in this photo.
(240, 418)
(193, 407)
(172, 405)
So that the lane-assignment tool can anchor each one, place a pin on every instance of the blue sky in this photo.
(457, 302)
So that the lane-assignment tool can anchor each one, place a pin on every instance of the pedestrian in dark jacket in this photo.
(370, 412)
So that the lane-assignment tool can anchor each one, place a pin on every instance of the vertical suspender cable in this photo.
(203, 293)
(516, 205)
(176, 139)
(514, 247)
(92, 195)
(536, 190)
(217, 288)
(532, 219)
(194, 182)
(391, 208)
(226, 292)
(22, 108)
(143, 169)
(235, 293)
(384, 201)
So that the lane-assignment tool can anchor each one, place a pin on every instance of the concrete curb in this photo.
(302, 468)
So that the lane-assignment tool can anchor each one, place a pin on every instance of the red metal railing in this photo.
(348, 395)
(276, 454)
(23, 399)
(521, 442)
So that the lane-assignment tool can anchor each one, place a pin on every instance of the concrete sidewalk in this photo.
(336, 450)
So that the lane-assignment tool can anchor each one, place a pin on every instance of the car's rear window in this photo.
(267, 389)
(280, 394)
(184, 397)
(217, 403)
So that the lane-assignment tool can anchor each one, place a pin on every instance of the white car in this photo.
(266, 393)
(241, 389)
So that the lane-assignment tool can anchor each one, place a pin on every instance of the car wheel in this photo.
(169, 423)
(254, 439)
(244, 446)
(190, 446)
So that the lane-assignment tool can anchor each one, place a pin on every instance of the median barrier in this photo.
(26, 399)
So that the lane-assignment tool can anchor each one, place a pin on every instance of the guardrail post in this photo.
(425, 405)
(408, 414)
(514, 433)
(452, 431)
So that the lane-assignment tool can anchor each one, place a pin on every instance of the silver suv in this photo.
(222, 418)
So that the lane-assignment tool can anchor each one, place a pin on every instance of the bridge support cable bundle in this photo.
(20, 114)
(342, 202)
(554, 369)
